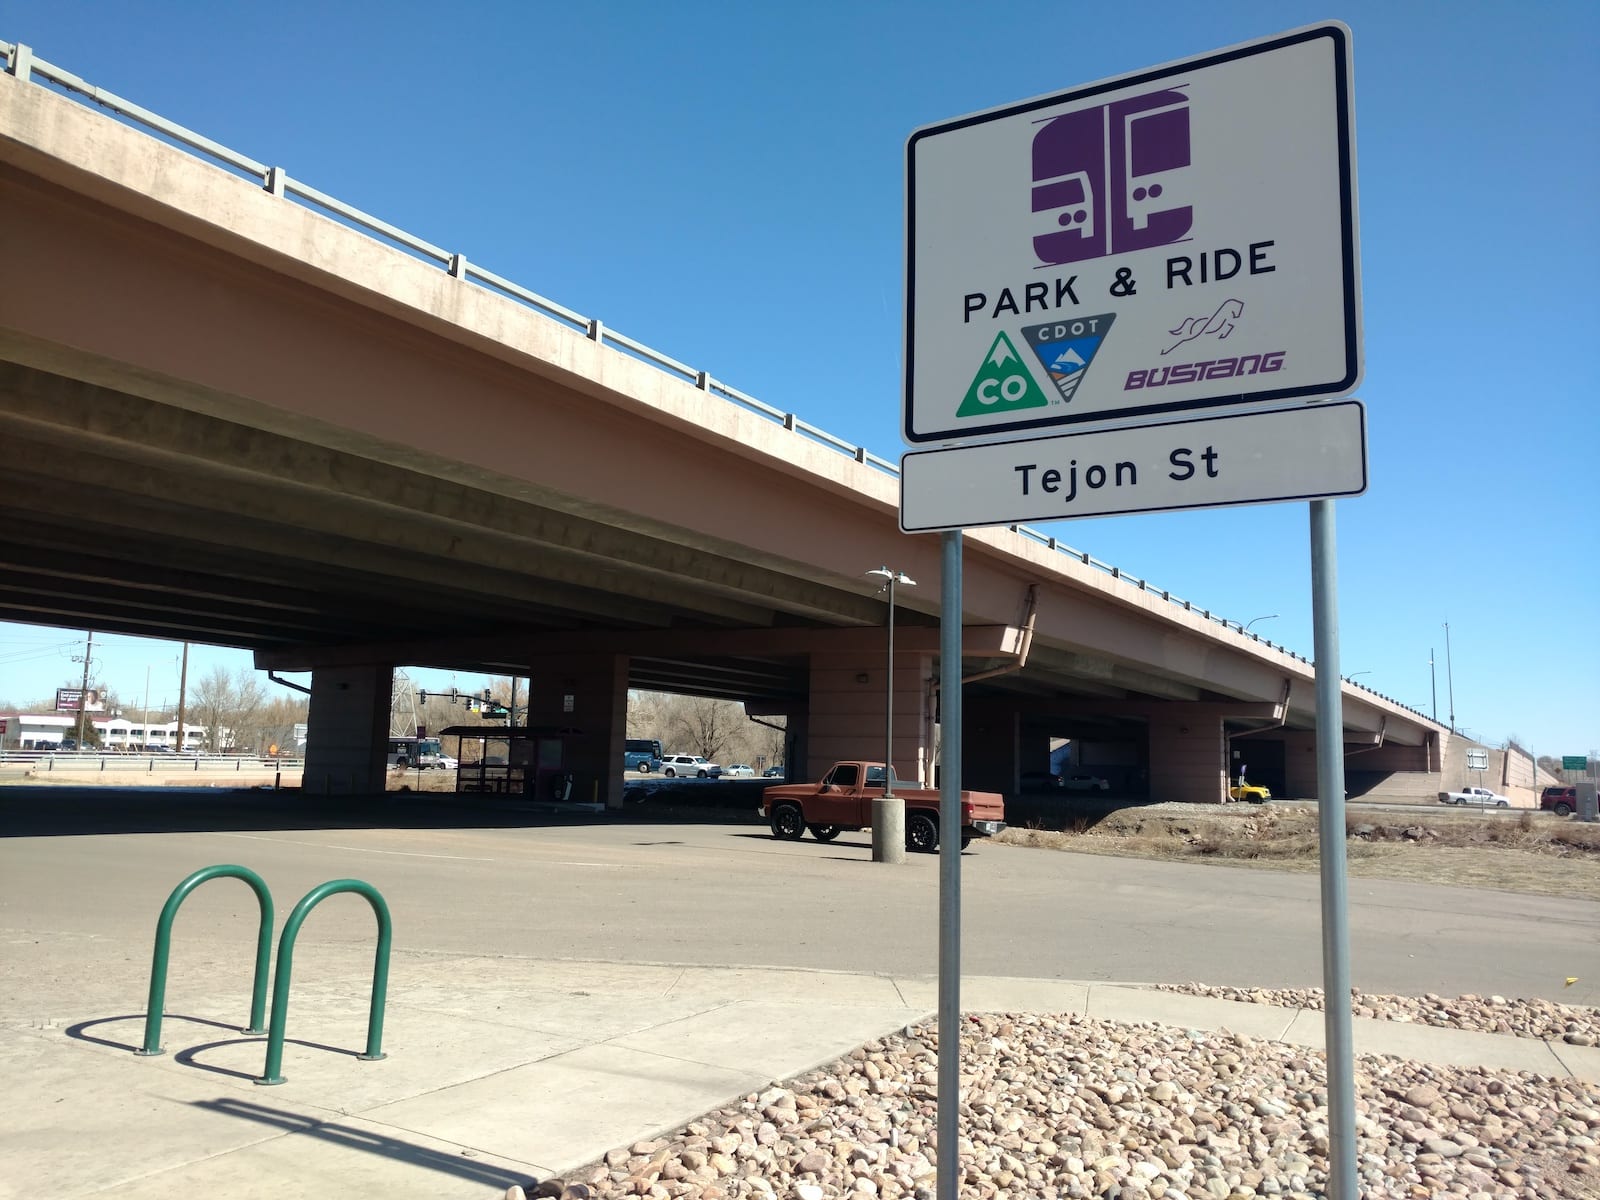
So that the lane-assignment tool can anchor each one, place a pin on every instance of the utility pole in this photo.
(1433, 683)
(183, 693)
(83, 692)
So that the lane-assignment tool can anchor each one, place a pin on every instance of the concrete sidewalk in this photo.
(503, 1071)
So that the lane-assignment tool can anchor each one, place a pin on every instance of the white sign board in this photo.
(1200, 462)
(1176, 239)
(1477, 760)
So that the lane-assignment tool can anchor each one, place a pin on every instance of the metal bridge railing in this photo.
(21, 62)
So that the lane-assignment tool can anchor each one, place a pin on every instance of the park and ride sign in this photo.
(1181, 240)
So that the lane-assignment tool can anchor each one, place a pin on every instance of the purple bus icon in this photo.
(1110, 179)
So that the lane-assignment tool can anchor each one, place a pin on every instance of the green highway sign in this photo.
(1574, 762)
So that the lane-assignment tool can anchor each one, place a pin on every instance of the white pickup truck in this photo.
(1475, 795)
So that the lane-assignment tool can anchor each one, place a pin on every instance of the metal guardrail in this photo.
(21, 62)
(109, 761)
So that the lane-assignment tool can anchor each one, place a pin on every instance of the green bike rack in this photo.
(158, 966)
(273, 1071)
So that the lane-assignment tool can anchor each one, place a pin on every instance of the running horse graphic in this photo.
(1219, 323)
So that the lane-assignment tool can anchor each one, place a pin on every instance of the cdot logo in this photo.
(1067, 347)
(1002, 384)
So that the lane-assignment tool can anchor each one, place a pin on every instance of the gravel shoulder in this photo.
(1534, 853)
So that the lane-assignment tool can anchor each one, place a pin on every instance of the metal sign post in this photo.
(1331, 834)
(948, 1165)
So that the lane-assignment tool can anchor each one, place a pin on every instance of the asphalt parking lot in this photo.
(91, 869)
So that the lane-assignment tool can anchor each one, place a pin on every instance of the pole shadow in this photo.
(456, 1165)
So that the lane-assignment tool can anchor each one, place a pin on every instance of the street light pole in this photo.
(1449, 677)
(889, 811)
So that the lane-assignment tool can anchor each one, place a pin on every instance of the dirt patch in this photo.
(1532, 852)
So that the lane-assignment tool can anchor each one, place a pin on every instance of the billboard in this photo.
(78, 700)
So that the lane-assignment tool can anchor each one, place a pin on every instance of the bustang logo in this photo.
(1206, 369)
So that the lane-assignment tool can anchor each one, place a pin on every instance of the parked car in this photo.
(776, 772)
(67, 744)
(1253, 792)
(1563, 801)
(1475, 795)
(689, 766)
(1085, 783)
(739, 771)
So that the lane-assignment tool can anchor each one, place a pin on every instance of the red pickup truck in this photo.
(843, 801)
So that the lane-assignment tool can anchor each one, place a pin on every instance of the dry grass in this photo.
(1533, 852)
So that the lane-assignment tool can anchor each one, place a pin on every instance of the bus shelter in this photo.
(516, 760)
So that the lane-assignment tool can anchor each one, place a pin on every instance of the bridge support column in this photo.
(847, 713)
(347, 735)
(589, 693)
(1188, 756)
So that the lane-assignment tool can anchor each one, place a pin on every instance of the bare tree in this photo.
(701, 725)
(272, 724)
(226, 705)
(209, 704)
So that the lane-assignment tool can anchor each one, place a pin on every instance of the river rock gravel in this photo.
(1577, 1025)
(1065, 1107)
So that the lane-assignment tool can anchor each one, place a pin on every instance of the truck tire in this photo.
(922, 833)
(788, 822)
(1563, 809)
(824, 833)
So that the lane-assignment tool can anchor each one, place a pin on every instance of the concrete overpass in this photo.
(236, 411)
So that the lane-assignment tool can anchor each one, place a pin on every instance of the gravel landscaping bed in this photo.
(1543, 1019)
(1071, 1107)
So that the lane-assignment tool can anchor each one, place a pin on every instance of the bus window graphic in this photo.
(1110, 179)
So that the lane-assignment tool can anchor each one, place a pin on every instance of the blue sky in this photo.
(724, 182)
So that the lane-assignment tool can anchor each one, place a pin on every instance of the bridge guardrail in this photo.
(21, 62)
